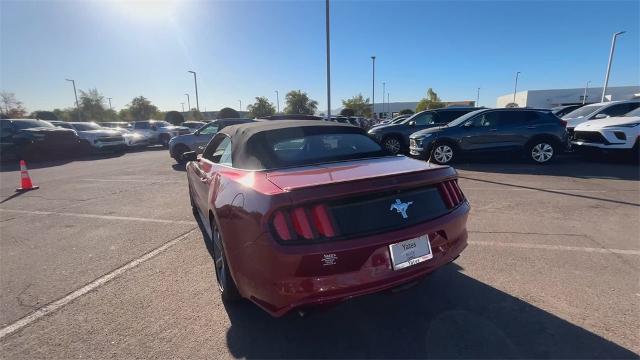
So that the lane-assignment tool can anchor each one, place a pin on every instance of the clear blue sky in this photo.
(246, 49)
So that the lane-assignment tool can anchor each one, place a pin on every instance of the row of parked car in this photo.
(443, 135)
(33, 138)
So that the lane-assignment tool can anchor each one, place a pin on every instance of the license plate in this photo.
(410, 252)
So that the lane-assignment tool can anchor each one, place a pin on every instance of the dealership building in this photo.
(555, 97)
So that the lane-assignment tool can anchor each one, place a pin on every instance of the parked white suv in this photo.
(95, 137)
(159, 132)
(613, 133)
(599, 111)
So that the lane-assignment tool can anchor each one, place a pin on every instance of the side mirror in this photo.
(189, 156)
(601, 116)
(412, 123)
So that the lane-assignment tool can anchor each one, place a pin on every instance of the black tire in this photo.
(542, 151)
(226, 284)
(443, 153)
(178, 151)
(164, 140)
(392, 144)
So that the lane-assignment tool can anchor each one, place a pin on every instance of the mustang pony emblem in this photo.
(401, 207)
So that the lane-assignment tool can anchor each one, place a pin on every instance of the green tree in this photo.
(359, 105)
(347, 112)
(174, 117)
(92, 105)
(432, 101)
(195, 115)
(227, 113)
(298, 102)
(261, 108)
(10, 107)
(139, 109)
(406, 112)
(43, 115)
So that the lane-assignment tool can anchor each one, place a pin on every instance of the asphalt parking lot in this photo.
(106, 260)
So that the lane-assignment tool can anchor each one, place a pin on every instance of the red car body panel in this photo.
(280, 277)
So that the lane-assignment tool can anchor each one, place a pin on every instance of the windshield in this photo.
(161, 123)
(87, 126)
(29, 123)
(464, 118)
(635, 112)
(582, 112)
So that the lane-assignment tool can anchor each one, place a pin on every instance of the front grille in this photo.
(590, 137)
(382, 212)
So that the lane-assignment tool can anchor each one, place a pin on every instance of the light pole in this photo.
(277, 102)
(240, 101)
(584, 97)
(182, 106)
(188, 102)
(328, 61)
(388, 107)
(76, 94)
(515, 88)
(478, 98)
(613, 48)
(195, 81)
(373, 87)
(110, 103)
(384, 86)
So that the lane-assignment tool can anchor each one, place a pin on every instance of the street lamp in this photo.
(383, 91)
(195, 81)
(613, 47)
(328, 60)
(278, 101)
(240, 101)
(478, 98)
(76, 94)
(188, 102)
(110, 103)
(373, 87)
(388, 107)
(584, 97)
(515, 88)
(182, 106)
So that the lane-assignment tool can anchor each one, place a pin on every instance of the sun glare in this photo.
(148, 9)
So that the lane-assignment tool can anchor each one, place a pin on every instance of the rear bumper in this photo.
(291, 277)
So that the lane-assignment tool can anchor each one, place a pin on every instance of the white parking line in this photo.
(136, 180)
(51, 307)
(105, 217)
(555, 247)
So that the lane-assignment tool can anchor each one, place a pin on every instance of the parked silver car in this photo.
(200, 138)
(159, 132)
(95, 137)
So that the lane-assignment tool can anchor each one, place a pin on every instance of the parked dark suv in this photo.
(538, 133)
(395, 137)
(30, 139)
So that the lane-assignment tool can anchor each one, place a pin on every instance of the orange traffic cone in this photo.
(25, 180)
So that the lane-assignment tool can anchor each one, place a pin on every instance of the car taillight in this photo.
(451, 193)
(303, 223)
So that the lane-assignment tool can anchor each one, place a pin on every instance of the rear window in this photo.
(308, 149)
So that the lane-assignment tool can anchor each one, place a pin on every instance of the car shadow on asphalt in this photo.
(568, 165)
(448, 315)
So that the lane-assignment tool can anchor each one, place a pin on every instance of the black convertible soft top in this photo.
(251, 144)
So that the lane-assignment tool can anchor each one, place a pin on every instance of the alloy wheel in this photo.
(443, 153)
(218, 257)
(392, 145)
(542, 152)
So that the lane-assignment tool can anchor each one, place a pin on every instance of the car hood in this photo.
(612, 121)
(321, 174)
(187, 138)
(175, 128)
(388, 127)
(432, 130)
(46, 130)
(99, 132)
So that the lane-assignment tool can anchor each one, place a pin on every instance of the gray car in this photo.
(200, 138)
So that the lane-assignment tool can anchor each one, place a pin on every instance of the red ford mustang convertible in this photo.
(304, 213)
